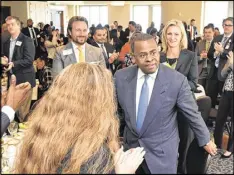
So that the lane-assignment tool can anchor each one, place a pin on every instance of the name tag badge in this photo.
(18, 43)
(110, 55)
(67, 52)
(227, 46)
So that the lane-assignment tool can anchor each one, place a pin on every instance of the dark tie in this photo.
(34, 37)
(104, 53)
(143, 104)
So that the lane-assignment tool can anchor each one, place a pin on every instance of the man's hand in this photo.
(113, 57)
(203, 55)
(17, 94)
(218, 47)
(10, 65)
(211, 148)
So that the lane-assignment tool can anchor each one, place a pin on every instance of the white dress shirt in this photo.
(140, 82)
(9, 112)
(76, 50)
(100, 45)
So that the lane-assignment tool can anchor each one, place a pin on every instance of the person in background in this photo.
(121, 33)
(15, 97)
(108, 50)
(192, 30)
(189, 40)
(20, 52)
(138, 28)
(52, 25)
(33, 33)
(201, 50)
(176, 56)
(115, 24)
(225, 108)
(51, 43)
(5, 35)
(217, 32)
(152, 26)
(77, 50)
(44, 76)
(132, 28)
(217, 57)
(78, 119)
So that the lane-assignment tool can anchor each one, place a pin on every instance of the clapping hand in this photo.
(128, 162)
(218, 47)
(230, 57)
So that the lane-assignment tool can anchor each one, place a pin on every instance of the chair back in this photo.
(204, 106)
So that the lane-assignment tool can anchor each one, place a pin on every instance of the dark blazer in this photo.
(26, 32)
(159, 134)
(187, 65)
(223, 56)
(5, 122)
(109, 49)
(22, 58)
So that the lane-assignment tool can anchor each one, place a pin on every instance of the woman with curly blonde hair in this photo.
(74, 128)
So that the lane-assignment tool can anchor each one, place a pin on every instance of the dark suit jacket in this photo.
(26, 32)
(5, 122)
(22, 58)
(223, 56)
(159, 134)
(187, 65)
(109, 49)
(201, 46)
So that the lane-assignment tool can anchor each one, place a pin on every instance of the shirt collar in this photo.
(100, 45)
(11, 39)
(227, 35)
(75, 46)
(140, 74)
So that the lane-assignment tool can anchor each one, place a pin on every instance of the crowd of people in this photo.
(102, 87)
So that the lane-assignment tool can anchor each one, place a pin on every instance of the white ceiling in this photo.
(102, 2)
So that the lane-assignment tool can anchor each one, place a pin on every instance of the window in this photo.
(140, 16)
(95, 14)
(156, 12)
(215, 12)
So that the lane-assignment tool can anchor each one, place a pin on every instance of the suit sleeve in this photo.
(120, 111)
(187, 105)
(193, 73)
(211, 51)
(58, 64)
(102, 59)
(5, 122)
(28, 55)
(197, 51)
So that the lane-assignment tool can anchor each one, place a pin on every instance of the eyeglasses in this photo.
(227, 25)
(143, 56)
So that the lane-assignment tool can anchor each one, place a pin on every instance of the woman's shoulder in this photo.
(190, 54)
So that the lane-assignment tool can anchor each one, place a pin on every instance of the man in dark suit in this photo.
(16, 95)
(108, 50)
(150, 95)
(217, 57)
(20, 52)
(202, 49)
(32, 32)
(192, 29)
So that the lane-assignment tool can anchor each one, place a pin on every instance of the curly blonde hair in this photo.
(77, 113)
(183, 42)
